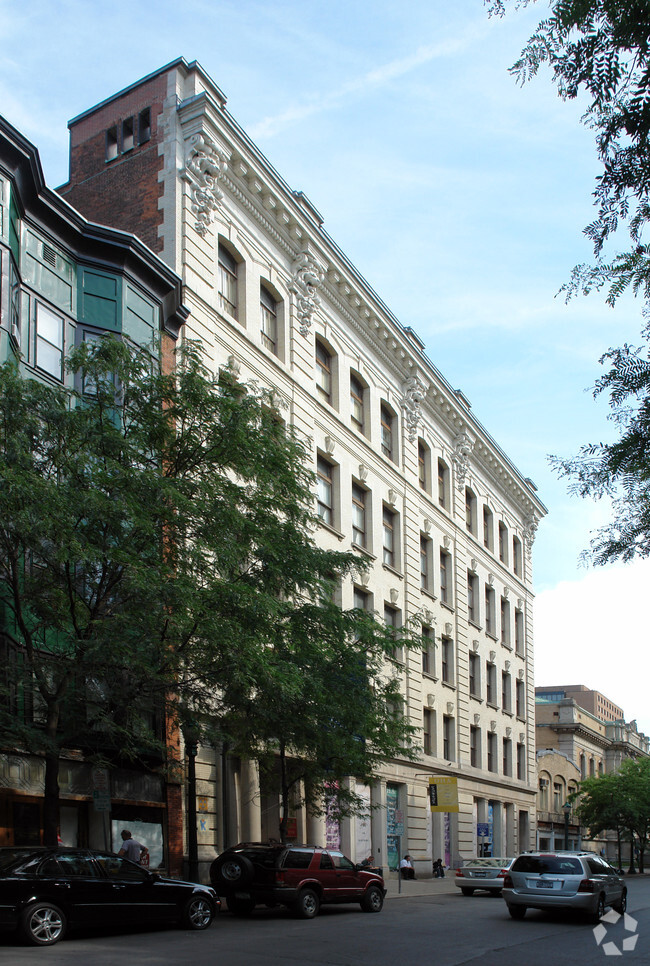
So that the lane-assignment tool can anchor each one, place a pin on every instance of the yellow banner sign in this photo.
(443, 794)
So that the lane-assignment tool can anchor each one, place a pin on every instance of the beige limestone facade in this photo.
(408, 477)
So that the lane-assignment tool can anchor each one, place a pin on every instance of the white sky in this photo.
(458, 195)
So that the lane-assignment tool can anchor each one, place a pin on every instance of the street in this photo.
(445, 930)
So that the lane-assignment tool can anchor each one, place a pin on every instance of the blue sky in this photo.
(460, 196)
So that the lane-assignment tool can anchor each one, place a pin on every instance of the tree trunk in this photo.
(51, 798)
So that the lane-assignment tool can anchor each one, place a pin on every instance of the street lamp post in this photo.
(566, 808)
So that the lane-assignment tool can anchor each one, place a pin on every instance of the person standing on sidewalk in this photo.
(131, 849)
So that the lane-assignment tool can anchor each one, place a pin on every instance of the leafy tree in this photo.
(619, 801)
(156, 534)
(600, 50)
(326, 706)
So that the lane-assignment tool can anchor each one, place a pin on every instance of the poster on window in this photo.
(362, 837)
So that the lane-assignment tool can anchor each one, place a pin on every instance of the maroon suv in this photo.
(301, 877)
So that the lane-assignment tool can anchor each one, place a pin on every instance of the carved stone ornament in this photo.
(426, 525)
(450, 707)
(414, 391)
(446, 542)
(522, 736)
(427, 615)
(392, 497)
(493, 656)
(520, 674)
(307, 276)
(477, 719)
(431, 700)
(448, 629)
(363, 472)
(493, 726)
(463, 446)
(490, 580)
(329, 444)
(394, 595)
(530, 529)
(234, 365)
(506, 665)
(475, 646)
(508, 732)
(364, 578)
(205, 166)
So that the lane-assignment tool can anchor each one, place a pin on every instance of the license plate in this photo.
(544, 884)
(480, 875)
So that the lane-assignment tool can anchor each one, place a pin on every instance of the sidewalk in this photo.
(419, 887)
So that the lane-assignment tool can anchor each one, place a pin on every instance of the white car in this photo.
(485, 873)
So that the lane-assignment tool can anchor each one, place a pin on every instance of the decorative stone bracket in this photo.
(414, 391)
(463, 446)
(307, 277)
(205, 165)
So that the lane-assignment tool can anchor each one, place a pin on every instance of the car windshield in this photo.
(539, 864)
(486, 863)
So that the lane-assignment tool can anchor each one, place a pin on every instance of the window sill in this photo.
(474, 624)
(519, 718)
(428, 593)
(476, 697)
(507, 645)
(495, 707)
(508, 712)
(448, 606)
(491, 635)
(393, 571)
(363, 551)
(449, 685)
(331, 529)
(429, 676)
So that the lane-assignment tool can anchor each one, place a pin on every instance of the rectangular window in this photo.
(443, 484)
(389, 521)
(503, 543)
(517, 562)
(475, 675)
(268, 320)
(422, 465)
(426, 579)
(356, 403)
(470, 510)
(428, 652)
(359, 532)
(227, 282)
(144, 126)
(521, 761)
(475, 746)
(427, 731)
(520, 692)
(445, 577)
(490, 617)
(49, 341)
(323, 373)
(519, 631)
(362, 599)
(127, 135)
(472, 598)
(488, 533)
(507, 756)
(448, 744)
(14, 303)
(393, 620)
(325, 491)
(492, 752)
(111, 143)
(447, 660)
(491, 683)
(506, 702)
(505, 621)
(386, 432)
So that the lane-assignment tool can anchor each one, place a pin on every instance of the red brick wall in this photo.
(124, 192)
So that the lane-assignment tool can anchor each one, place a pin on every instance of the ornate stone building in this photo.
(407, 475)
(574, 742)
(63, 280)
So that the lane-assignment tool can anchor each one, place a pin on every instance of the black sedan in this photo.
(43, 891)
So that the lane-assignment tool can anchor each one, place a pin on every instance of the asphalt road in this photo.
(445, 930)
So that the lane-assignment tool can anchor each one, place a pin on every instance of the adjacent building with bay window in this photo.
(63, 280)
(406, 474)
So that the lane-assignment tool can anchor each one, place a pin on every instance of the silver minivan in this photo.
(563, 880)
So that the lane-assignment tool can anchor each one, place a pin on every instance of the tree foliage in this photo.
(600, 50)
(619, 801)
(157, 555)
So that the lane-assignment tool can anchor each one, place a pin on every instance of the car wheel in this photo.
(231, 870)
(517, 912)
(466, 891)
(621, 905)
(308, 904)
(43, 924)
(239, 906)
(198, 913)
(600, 909)
(373, 900)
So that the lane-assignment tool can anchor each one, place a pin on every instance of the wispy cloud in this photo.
(372, 79)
